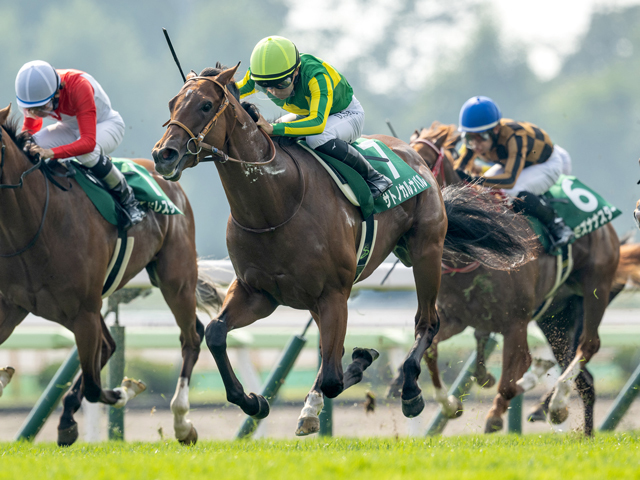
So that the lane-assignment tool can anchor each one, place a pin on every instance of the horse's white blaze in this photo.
(5, 377)
(312, 405)
(128, 390)
(560, 398)
(180, 409)
(448, 402)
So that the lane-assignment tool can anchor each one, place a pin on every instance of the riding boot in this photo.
(537, 207)
(341, 150)
(120, 190)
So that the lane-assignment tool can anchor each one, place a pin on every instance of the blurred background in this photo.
(570, 66)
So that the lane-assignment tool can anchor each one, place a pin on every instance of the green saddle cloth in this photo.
(144, 186)
(406, 181)
(581, 208)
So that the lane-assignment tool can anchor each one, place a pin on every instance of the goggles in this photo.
(475, 137)
(41, 111)
(279, 84)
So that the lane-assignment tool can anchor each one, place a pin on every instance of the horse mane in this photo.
(438, 130)
(12, 127)
(250, 108)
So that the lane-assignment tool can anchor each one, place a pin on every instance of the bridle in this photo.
(437, 169)
(197, 141)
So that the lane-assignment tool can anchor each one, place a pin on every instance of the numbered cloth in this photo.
(406, 181)
(145, 188)
(581, 208)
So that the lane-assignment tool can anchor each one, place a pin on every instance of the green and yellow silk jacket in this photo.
(319, 91)
(519, 145)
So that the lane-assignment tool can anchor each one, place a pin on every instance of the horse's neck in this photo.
(450, 175)
(259, 195)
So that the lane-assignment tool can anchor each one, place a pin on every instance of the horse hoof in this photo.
(191, 438)
(263, 407)
(68, 436)
(137, 386)
(371, 354)
(488, 381)
(413, 408)
(558, 416)
(457, 409)
(493, 425)
(307, 426)
(537, 415)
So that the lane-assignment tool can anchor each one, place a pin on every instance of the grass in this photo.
(501, 457)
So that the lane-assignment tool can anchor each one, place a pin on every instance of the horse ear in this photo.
(4, 113)
(227, 75)
(414, 136)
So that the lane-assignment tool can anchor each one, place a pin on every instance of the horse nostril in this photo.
(167, 153)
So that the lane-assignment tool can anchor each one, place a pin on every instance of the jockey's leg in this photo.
(341, 129)
(536, 206)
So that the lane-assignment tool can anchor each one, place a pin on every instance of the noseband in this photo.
(198, 140)
(437, 169)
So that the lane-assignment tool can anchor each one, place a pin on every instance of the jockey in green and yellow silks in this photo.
(321, 103)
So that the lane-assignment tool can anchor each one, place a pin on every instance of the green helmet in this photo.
(273, 58)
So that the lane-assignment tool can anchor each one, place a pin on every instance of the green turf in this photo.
(498, 457)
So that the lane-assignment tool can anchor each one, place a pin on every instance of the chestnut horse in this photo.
(292, 237)
(54, 253)
(500, 301)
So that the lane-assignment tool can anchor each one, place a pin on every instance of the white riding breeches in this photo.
(109, 134)
(346, 125)
(538, 179)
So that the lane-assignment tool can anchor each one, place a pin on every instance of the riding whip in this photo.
(175, 57)
(393, 132)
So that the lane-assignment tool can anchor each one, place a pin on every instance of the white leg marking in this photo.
(180, 409)
(312, 405)
(450, 404)
(128, 390)
(560, 399)
(538, 369)
(5, 377)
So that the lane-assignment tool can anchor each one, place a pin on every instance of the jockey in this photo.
(527, 163)
(321, 101)
(87, 128)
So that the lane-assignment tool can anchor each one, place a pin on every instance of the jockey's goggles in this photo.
(279, 84)
(475, 137)
(42, 110)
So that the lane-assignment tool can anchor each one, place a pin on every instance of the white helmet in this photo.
(36, 83)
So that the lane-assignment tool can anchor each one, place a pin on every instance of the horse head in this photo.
(198, 113)
(434, 145)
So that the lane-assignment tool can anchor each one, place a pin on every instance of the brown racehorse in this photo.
(504, 302)
(54, 253)
(292, 237)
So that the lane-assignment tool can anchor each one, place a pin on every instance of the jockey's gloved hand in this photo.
(464, 176)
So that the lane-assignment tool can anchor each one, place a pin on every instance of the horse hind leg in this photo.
(10, 317)
(482, 376)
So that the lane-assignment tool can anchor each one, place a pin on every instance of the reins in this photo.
(198, 140)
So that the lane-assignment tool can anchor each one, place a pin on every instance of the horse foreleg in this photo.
(515, 362)
(67, 427)
(451, 405)
(241, 307)
(10, 317)
(184, 430)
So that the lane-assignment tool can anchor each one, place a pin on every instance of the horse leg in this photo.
(67, 427)
(451, 405)
(595, 302)
(558, 329)
(483, 378)
(515, 362)
(10, 317)
(426, 272)
(242, 306)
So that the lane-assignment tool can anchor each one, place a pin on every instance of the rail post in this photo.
(50, 398)
(461, 386)
(116, 374)
(622, 402)
(515, 414)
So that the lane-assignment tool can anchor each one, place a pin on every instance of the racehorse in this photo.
(504, 302)
(54, 254)
(292, 237)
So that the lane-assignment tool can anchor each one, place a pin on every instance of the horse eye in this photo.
(207, 107)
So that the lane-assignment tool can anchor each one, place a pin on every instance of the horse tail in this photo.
(628, 271)
(209, 294)
(485, 229)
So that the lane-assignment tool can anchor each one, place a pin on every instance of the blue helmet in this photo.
(479, 114)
